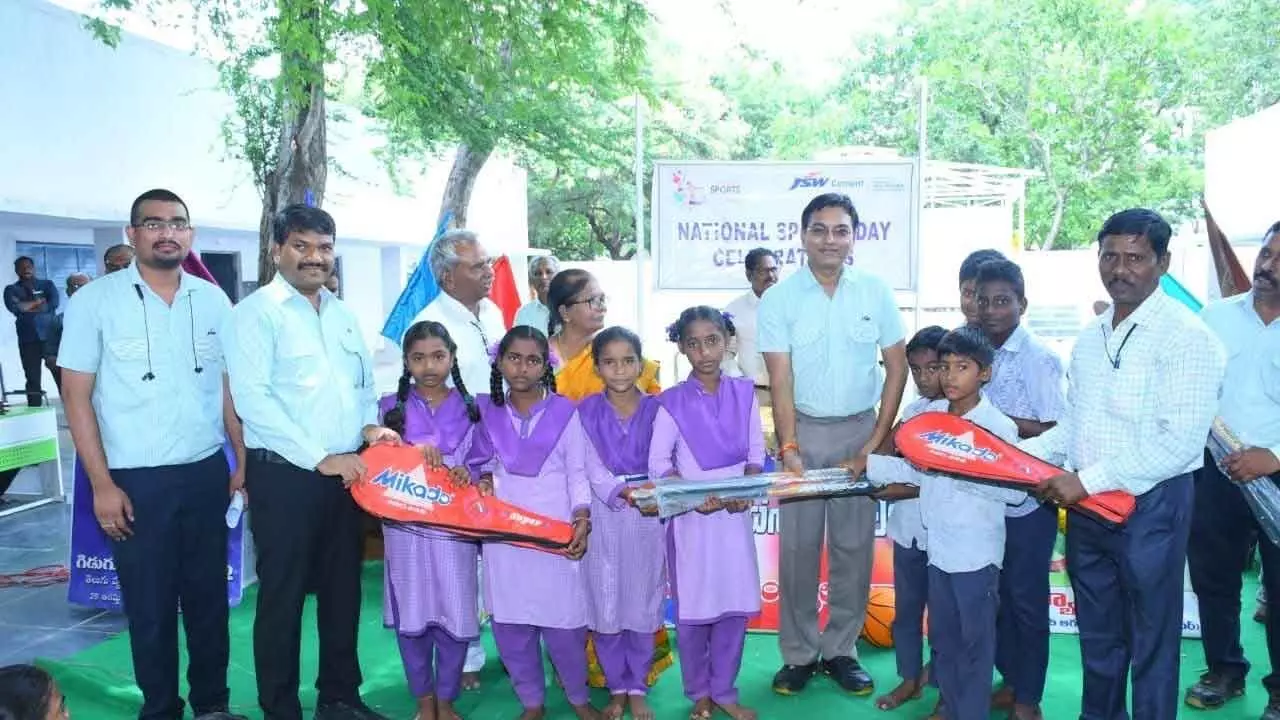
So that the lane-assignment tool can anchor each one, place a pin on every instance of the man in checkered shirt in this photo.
(1144, 379)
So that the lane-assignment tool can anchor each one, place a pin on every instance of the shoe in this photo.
(1272, 712)
(792, 679)
(221, 715)
(849, 675)
(356, 710)
(1213, 691)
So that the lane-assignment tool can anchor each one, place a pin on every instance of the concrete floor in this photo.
(39, 621)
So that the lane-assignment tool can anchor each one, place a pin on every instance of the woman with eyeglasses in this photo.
(577, 310)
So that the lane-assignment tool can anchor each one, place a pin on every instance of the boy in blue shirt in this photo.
(966, 529)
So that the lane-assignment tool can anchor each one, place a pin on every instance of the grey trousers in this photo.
(848, 525)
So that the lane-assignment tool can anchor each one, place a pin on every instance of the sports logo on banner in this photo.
(708, 215)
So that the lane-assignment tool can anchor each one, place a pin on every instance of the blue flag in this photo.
(418, 292)
(1177, 291)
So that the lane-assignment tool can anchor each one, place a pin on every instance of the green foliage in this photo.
(540, 77)
(1092, 94)
(1238, 66)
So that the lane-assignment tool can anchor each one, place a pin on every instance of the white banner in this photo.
(1062, 600)
(708, 215)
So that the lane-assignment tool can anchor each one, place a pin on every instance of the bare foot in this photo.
(616, 707)
(1002, 698)
(427, 708)
(586, 712)
(702, 710)
(737, 712)
(445, 711)
(470, 681)
(907, 690)
(1026, 712)
(640, 709)
(537, 713)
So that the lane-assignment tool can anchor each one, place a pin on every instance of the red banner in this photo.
(765, 524)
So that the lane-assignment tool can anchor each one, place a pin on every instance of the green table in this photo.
(29, 441)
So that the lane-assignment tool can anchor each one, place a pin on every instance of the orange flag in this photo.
(504, 292)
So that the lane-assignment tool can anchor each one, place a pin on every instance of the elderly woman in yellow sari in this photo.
(577, 310)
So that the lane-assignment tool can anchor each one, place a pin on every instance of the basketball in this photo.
(878, 628)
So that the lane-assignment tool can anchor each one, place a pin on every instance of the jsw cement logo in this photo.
(404, 483)
(959, 446)
(816, 179)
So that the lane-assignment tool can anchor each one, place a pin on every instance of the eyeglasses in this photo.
(818, 231)
(597, 302)
(152, 226)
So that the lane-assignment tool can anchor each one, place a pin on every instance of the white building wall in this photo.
(87, 128)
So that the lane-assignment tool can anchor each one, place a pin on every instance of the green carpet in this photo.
(99, 685)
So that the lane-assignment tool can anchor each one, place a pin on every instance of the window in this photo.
(56, 261)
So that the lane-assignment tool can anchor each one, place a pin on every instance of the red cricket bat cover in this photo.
(399, 487)
(945, 443)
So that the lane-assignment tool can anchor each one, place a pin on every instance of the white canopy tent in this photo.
(1241, 187)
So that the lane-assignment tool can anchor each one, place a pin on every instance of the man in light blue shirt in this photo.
(1028, 383)
(535, 313)
(821, 331)
(1223, 528)
(302, 379)
(147, 402)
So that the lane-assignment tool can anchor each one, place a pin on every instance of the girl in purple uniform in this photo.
(429, 595)
(708, 428)
(530, 452)
(625, 565)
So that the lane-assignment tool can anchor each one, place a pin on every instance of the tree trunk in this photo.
(302, 165)
(1059, 208)
(462, 180)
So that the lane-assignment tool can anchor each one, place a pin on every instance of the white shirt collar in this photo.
(185, 281)
(1016, 340)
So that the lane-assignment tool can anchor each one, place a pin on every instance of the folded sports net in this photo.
(675, 497)
(944, 443)
(400, 489)
(1262, 495)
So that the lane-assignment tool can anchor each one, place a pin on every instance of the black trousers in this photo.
(962, 627)
(32, 354)
(307, 530)
(1022, 627)
(1223, 531)
(177, 554)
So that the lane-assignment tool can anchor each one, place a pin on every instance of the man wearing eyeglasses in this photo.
(1143, 390)
(147, 401)
(822, 331)
(464, 272)
(302, 379)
